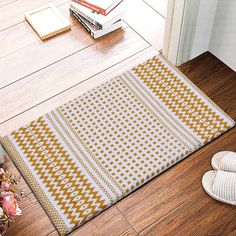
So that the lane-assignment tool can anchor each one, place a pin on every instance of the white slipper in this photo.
(224, 161)
(220, 185)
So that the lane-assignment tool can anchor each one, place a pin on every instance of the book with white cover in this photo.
(95, 31)
(98, 19)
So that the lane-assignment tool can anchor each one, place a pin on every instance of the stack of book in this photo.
(99, 17)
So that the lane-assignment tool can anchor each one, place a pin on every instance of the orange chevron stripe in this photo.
(158, 77)
(56, 186)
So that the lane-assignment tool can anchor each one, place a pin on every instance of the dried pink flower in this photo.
(10, 206)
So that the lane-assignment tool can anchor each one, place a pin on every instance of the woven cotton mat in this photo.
(92, 151)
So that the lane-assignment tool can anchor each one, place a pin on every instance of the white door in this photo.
(180, 26)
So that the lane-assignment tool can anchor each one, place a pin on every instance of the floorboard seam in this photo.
(6, 4)
(51, 64)
(137, 32)
(127, 220)
(156, 222)
(154, 10)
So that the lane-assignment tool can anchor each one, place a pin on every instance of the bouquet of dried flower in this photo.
(9, 195)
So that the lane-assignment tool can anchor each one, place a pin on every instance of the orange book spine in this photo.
(91, 6)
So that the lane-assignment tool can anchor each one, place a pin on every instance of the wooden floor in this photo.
(36, 77)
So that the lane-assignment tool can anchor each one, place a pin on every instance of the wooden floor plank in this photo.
(159, 6)
(40, 86)
(15, 38)
(6, 2)
(13, 13)
(145, 21)
(22, 35)
(220, 217)
(215, 79)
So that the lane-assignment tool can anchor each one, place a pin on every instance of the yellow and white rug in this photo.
(87, 154)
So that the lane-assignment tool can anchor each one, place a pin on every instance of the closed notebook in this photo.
(96, 32)
(98, 19)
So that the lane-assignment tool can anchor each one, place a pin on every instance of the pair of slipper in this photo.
(220, 183)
